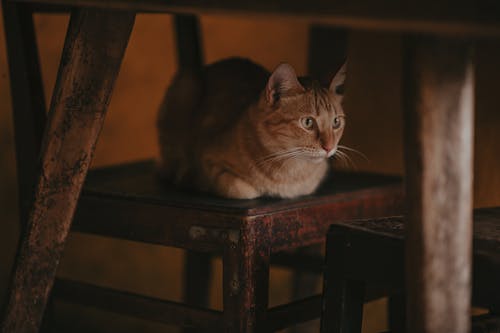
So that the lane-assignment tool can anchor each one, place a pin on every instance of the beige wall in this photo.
(373, 107)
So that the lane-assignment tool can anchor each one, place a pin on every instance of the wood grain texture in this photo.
(466, 17)
(245, 284)
(28, 101)
(128, 202)
(282, 316)
(189, 42)
(94, 47)
(372, 251)
(439, 119)
(137, 306)
(342, 306)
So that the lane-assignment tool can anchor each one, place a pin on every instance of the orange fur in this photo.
(237, 131)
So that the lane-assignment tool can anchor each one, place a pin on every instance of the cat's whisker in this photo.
(354, 151)
(340, 158)
(345, 158)
(279, 156)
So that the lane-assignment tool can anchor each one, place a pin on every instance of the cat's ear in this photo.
(338, 81)
(283, 81)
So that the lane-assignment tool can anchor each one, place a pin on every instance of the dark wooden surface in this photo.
(372, 251)
(28, 101)
(138, 306)
(128, 202)
(296, 312)
(343, 298)
(439, 117)
(197, 265)
(188, 42)
(245, 266)
(92, 55)
(488, 323)
(387, 235)
(138, 181)
(450, 17)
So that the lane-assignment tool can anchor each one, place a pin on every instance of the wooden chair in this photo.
(371, 253)
(128, 202)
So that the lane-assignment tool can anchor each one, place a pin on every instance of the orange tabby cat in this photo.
(238, 131)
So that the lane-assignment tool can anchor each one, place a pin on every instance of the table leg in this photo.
(246, 281)
(28, 102)
(93, 51)
(439, 106)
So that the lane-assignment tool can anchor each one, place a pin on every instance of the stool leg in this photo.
(93, 50)
(28, 102)
(197, 278)
(305, 284)
(246, 282)
(342, 298)
(396, 313)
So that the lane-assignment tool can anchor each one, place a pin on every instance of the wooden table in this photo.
(438, 106)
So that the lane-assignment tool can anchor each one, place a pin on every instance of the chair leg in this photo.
(93, 51)
(342, 298)
(246, 283)
(28, 102)
(305, 284)
(197, 265)
(197, 278)
(328, 48)
(397, 313)
(188, 42)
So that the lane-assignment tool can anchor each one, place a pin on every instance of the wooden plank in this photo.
(197, 265)
(245, 265)
(94, 47)
(130, 304)
(293, 313)
(343, 298)
(189, 42)
(439, 109)
(154, 224)
(138, 181)
(308, 225)
(465, 17)
(28, 101)
(328, 49)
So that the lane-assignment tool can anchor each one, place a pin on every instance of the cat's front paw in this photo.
(236, 188)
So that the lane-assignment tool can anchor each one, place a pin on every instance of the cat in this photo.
(238, 131)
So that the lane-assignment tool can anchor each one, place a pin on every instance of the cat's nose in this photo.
(328, 148)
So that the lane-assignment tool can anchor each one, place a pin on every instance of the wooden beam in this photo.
(93, 51)
(130, 304)
(464, 17)
(439, 109)
(28, 101)
(189, 43)
(283, 316)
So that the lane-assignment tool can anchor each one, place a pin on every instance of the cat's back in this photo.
(229, 87)
(235, 74)
(200, 106)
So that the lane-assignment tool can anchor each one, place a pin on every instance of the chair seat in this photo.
(379, 245)
(129, 201)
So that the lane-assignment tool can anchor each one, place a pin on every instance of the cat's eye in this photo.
(337, 122)
(307, 122)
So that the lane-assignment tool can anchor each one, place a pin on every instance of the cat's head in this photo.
(301, 118)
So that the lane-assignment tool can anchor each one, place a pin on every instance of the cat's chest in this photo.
(294, 180)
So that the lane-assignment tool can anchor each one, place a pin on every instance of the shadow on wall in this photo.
(373, 108)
